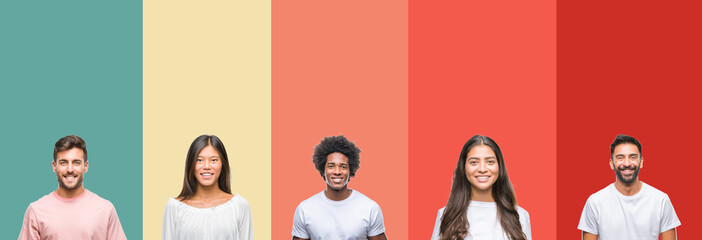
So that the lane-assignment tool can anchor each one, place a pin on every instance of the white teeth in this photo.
(483, 177)
(206, 174)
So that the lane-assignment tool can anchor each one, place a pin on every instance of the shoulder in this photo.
(602, 194)
(522, 211)
(653, 192)
(313, 200)
(361, 198)
(93, 197)
(240, 201)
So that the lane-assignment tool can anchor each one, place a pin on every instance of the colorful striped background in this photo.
(408, 81)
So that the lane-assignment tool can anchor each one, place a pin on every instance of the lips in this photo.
(483, 178)
(207, 175)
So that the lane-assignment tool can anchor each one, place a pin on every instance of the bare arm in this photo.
(589, 236)
(669, 235)
(378, 237)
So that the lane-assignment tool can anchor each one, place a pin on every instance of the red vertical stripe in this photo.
(339, 67)
(628, 67)
(482, 67)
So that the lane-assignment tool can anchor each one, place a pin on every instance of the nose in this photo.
(336, 170)
(208, 164)
(70, 168)
(482, 167)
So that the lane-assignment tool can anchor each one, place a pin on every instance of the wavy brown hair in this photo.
(454, 222)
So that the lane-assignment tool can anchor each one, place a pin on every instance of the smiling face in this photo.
(208, 167)
(337, 171)
(626, 162)
(69, 166)
(482, 169)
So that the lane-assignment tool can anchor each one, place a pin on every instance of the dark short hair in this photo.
(622, 139)
(339, 144)
(69, 142)
(189, 180)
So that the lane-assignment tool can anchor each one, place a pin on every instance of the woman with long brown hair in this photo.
(206, 207)
(482, 204)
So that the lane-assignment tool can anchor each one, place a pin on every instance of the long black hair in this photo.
(454, 222)
(189, 181)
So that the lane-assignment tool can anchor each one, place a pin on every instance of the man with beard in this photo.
(628, 208)
(338, 212)
(71, 212)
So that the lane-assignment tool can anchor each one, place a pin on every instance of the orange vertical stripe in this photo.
(339, 67)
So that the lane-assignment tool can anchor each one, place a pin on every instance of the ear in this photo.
(611, 163)
(86, 167)
(641, 163)
(53, 165)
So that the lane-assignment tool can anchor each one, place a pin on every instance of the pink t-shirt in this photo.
(86, 216)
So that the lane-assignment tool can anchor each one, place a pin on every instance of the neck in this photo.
(208, 192)
(66, 193)
(337, 195)
(628, 189)
(482, 196)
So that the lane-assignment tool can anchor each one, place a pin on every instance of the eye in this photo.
(472, 162)
(492, 161)
(214, 159)
(344, 167)
(199, 159)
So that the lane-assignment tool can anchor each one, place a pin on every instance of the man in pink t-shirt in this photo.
(71, 212)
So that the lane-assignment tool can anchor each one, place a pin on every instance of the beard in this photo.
(625, 181)
(79, 182)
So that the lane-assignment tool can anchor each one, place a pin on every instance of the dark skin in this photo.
(338, 168)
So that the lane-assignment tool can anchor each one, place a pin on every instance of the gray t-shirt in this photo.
(611, 215)
(356, 217)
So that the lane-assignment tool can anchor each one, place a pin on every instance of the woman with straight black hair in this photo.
(206, 208)
(482, 204)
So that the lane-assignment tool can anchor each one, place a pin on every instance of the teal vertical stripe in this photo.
(71, 67)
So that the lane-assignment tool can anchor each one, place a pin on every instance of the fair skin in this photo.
(482, 171)
(207, 170)
(627, 159)
(337, 173)
(69, 166)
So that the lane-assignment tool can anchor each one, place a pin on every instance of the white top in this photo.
(230, 220)
(483, 222)
(356, 217)
(611, 215)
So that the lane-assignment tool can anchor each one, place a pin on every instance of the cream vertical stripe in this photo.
(207, 71)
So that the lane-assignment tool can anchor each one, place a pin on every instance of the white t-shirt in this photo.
(320, 218)
(611, 215)
(230, 220)
(483, 222)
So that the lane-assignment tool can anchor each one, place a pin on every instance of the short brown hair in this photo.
(69, 142)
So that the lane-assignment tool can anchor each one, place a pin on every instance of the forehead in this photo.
(208, 151)
(337, 158)
(70, 154)
(626, 149)
(481, 151)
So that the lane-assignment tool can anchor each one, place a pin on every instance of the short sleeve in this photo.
(436, 235)
(669, 218)
(525, 221)
(245, 223)
(114, 228)
(377, 226)
(299, 229)
(169, 224)
(589, 218)
(30, 227)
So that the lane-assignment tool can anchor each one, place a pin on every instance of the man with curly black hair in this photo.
(338, 212)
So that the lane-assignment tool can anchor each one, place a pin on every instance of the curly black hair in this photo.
(339, 144)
